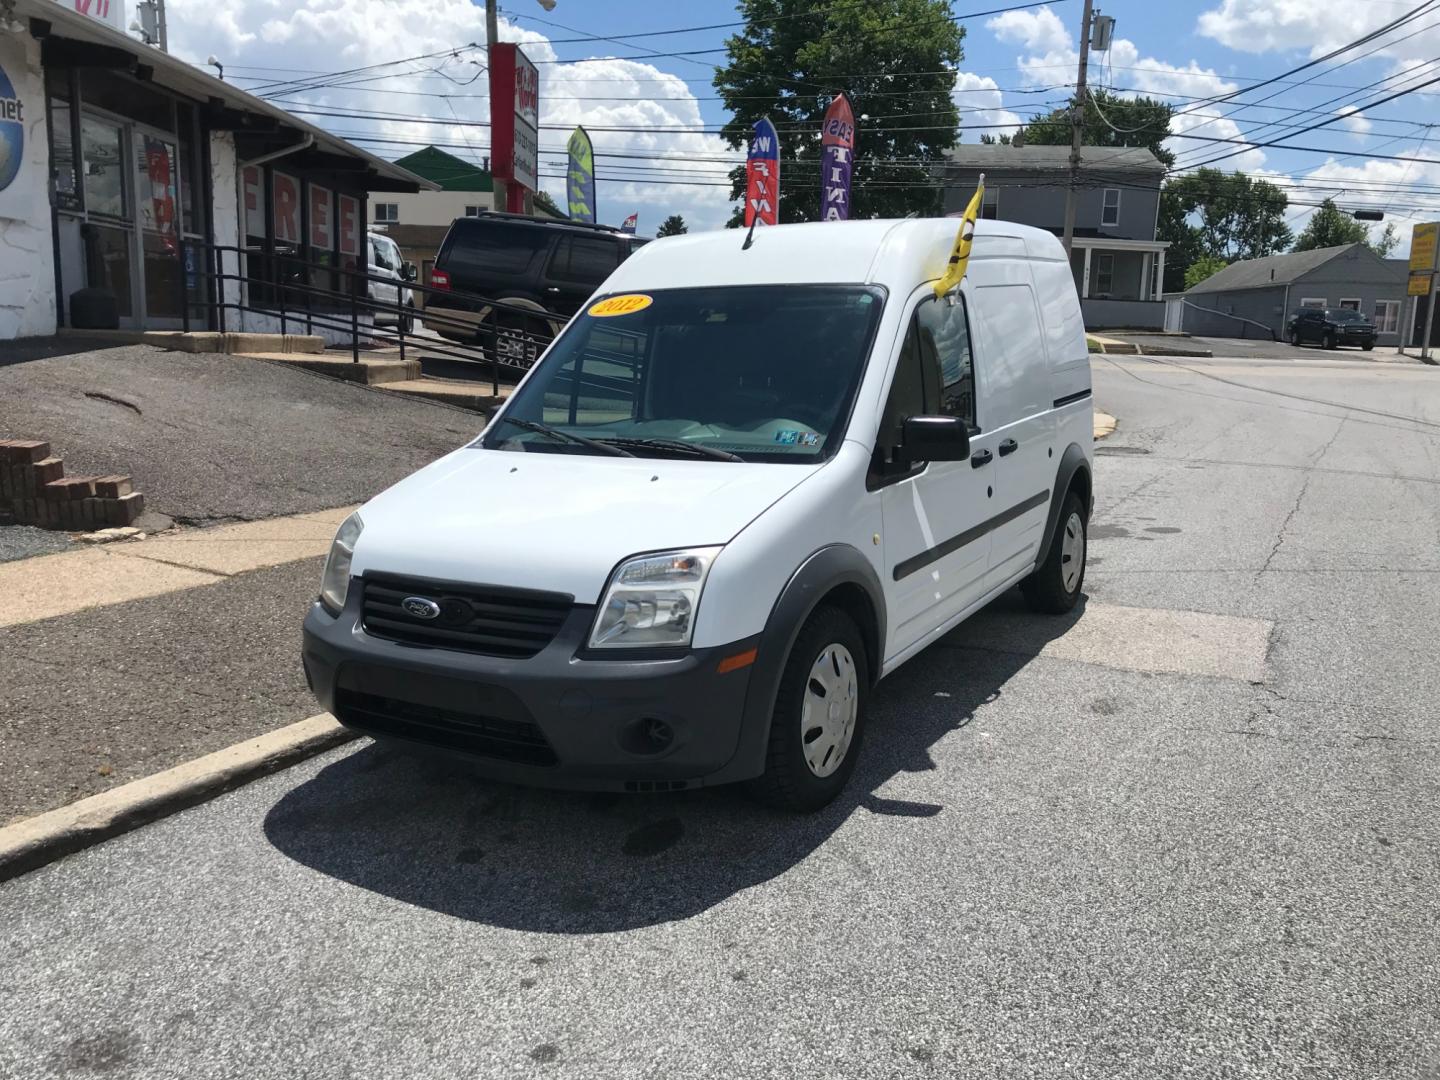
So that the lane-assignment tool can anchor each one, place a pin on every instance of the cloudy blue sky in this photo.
(1017, 63)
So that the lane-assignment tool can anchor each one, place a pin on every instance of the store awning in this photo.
(68, 37)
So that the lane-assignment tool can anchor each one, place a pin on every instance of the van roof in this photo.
(899, 254)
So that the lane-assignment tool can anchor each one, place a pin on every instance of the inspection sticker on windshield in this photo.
(627, 304)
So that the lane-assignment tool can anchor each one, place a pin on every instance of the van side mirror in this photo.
(935, 438)
(409, 271)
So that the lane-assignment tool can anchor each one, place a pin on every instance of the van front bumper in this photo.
(557, 719)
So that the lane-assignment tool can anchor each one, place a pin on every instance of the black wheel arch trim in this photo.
(1072, 461)
(822, 571)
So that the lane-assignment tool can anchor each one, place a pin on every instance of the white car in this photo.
(739, 489)
(395, 304)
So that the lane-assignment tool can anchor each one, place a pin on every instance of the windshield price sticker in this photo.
(620, 305)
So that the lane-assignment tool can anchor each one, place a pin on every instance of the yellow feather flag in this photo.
(960, 257)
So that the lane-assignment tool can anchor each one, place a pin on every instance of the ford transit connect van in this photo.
(738, 490)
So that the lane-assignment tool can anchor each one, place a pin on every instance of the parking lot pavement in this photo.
(1260, 349)
(1187, 830)
(221, 437)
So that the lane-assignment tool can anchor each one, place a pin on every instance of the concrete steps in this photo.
(207, 341)
(369, 371)
(479, 397)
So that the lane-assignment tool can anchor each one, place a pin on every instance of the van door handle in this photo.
(552, 288)
(1009, 446)
(980, 457)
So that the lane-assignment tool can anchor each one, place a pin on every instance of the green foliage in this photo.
(988, 139)
(673, 225)
(1140, 121)
(542, 198)
(888, 56)
(1226, 216)
(1330, 227)
(1202, 268)
(1387, 242)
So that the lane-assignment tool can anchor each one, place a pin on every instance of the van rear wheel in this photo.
(819, 718)
(1054, 587)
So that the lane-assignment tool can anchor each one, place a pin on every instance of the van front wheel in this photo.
(1055, 585)
(819, 718)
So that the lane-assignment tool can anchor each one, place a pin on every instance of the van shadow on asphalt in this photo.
(569, 863)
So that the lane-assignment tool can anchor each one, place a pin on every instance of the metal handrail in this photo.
(283, 278)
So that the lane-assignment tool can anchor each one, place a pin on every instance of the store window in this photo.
(102, 156)
(64, 161)
(127, 97)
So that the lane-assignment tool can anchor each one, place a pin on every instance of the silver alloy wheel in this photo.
(832, 704)
(1072, 553)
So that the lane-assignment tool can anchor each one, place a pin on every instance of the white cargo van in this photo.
(740, 488)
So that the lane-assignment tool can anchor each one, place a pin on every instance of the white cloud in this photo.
(273, 39)
(980, 102)
(1354, 120)
(1143, 74)
(1259, 26)
(1038, 31)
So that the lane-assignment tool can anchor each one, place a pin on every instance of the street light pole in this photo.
(1077, 124)
(492, 32)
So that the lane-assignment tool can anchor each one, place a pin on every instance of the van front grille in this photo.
(484, 736)
(487, 619)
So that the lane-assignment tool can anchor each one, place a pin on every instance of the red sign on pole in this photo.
(514, 122)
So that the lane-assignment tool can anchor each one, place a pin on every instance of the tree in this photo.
(1387, 242)
(1109, 120)
(542, 198)
(1330, 227)
(888, 56)
(673, 225)
(1202, 268)
(1221, 215)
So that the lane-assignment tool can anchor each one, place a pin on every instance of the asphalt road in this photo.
(1080, 847)
(212, 438)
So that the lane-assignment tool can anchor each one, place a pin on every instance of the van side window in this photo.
(946, 325)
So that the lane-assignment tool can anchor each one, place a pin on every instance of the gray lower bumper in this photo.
(555, 720)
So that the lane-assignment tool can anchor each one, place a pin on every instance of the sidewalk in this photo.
(121, 661)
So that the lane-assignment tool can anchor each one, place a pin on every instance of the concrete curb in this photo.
(30, 844)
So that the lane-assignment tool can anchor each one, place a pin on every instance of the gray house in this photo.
(1256, 297)
(1117, 262)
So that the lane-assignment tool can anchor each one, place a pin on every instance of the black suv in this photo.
(547, 266)
(1331, 327)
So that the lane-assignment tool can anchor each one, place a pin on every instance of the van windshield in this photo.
(758, 372)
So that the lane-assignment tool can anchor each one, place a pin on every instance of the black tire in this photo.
(1295, 338)
(1329, 341)
(1045, 590)
(789, 782)
(1369, 346)
(407, 320)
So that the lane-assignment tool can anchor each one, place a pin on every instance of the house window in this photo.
(1353, 304)
(1313, 301)
(1104, 274)
(387, 213)
(1110, 210)
(472, 211)
(990, 204)
(1387, 316)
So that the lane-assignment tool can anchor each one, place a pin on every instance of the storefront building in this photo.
(131, 179)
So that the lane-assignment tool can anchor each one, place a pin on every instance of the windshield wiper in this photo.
(675, 444)
(565, 436)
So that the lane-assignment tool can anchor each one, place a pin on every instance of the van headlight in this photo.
(652, 600)
(335, 582)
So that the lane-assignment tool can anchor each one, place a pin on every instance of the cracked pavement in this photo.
(1066, 853)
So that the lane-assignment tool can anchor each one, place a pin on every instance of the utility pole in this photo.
(492, 34)
(160, 18)
(1077, 125)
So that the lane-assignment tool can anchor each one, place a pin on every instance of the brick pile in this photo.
(34, 490)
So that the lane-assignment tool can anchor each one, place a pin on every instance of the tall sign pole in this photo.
(1077, 124)
(492, 34)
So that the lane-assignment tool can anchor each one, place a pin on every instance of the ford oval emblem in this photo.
(420, 608)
